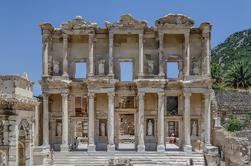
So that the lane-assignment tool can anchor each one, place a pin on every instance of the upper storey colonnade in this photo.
(172, 39)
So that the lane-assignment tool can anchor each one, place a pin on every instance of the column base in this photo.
(64, 148)
(161, 148)
(187, 148)
(91, 148)
(141, 148)
(46, 148)
(162, 75)
(110, 148)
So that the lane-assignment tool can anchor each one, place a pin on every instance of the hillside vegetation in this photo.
(231, 61)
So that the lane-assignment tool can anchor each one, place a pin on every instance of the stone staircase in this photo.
(125, 159)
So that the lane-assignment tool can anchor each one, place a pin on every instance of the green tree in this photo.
(239, 75)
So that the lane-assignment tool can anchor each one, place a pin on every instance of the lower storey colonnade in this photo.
(124, 125)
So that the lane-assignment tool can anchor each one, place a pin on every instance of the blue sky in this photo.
(20, 36)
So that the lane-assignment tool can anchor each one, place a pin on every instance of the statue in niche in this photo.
(194, 128)
(101, 67)
(150, 128)
(102, 129)
(56, 67)
(150, 66)
(195, 68)
(58, 128)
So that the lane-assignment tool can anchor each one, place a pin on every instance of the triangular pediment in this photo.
(127, 21)
(174, 20)
(78, 24)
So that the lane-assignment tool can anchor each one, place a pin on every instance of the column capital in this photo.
(45, 96)
(111, 94)
(161, 35)
(161, 94)
(111, 35)
(65, 36)
(141, 94)
(91, 95)
(187, 94)
(141, 35)
(205, 35)
(64, 94)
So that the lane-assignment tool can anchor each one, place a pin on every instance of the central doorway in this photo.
(126, 131)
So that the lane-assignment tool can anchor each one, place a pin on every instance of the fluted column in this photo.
(91, 145)
(111, 35)
(111, 145)
(36, 127)
(45, 54)
(206, 53)
(187, 119)
(141, 143)
(161, 123)
(141, 55)
(187, 55)
(65, 132)
(65, 55)
(45, 120)
(207, 119)
(161, 55)
(91, 65)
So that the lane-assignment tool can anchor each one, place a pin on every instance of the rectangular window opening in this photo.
(80, 70)
(172, 70)
(126, 71)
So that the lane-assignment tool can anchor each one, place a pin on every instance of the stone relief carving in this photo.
(78, 24)
(174, 20)
(126, 21)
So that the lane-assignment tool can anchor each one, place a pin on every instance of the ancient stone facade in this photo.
(17, 122)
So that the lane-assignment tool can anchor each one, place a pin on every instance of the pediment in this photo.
(127, 21)
(174, 20)
(78, 24)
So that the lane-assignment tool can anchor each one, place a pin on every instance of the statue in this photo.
(59, 129)
(56, 67)
(102, 129)
(150, 128)
(194, 129)
(101, 67)
(150, 66)
(195, 68)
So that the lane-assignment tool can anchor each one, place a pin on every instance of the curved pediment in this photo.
(127, 21)
(78, 24)
(174, 20)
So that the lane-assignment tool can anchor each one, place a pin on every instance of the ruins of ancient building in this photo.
(17, 122)
(125, 86)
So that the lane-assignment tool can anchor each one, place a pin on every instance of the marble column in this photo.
(206, 53)
(45, 54)
(91, 119)
(65, 127)
(91, 65)
(141, 120)
(187, 55)
(207, 119)
(161, 123)
(36, 127)
(141, 55)
(65, 55)
(187, 120)
(111, 35)
(161, 55)
(45, 120)
(110, 123)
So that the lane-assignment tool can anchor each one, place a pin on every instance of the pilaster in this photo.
(65, 55)
(161, 54)
(141, 55)
(111, 35)
(207, 119)
(91, 65)
(45, 54)
(187, 55)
